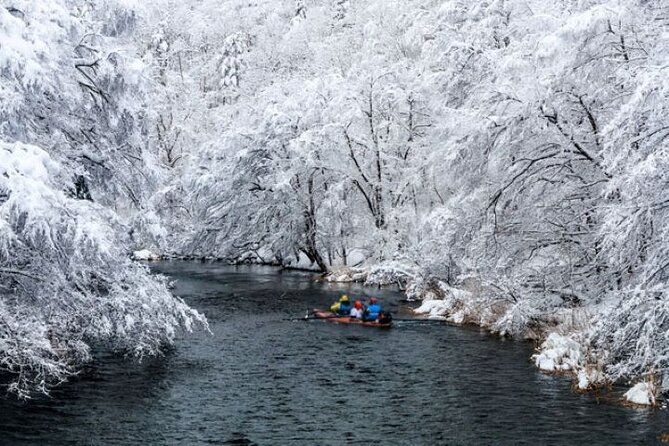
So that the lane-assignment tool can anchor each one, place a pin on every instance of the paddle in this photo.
(309, 316)
(417, 319)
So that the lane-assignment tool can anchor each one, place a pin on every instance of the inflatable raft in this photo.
(332, 317)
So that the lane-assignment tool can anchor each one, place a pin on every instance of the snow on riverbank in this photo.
(347, 274)
(384, 274)
(565, 347)
(559, 353)
(145, 254)
(642, 394)
(451, 307)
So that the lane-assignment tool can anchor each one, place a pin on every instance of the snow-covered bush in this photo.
(516, 320)
(390, 273)
(66, 283)
(633, 335)
(425, 288)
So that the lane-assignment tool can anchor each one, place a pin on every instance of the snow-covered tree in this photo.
(66, 284)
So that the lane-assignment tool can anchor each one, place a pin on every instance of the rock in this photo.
(145, 254)
(642, 394)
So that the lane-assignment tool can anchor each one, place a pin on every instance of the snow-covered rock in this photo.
(457, 305)
(588, 377)
(583, 380)
(145, 254)
(437, 309)
(559, 353)
(346, 274)
(641, 393)
(458, 317)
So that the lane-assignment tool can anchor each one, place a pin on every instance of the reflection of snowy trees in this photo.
(520, 147)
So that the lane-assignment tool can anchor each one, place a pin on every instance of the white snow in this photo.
(55, 250)
(559, 353)
(458, 317)
(583, 380)
(641, 393)
(347, 274)
(436, 309)
(145, 254)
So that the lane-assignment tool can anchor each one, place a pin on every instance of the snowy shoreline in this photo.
(562, 334)
(146, 255)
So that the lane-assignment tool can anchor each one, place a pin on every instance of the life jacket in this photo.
(344, 308)
(372, 312)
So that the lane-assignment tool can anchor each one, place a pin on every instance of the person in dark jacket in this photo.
(372, 311)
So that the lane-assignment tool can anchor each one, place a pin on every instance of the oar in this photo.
(308, 316)
(415, 319)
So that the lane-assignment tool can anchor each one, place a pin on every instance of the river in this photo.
(265, 377)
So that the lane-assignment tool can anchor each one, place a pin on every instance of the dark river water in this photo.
(264, 378)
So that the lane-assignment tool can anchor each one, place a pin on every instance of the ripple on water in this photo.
(263, 378)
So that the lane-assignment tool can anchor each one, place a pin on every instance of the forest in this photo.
(501, 160)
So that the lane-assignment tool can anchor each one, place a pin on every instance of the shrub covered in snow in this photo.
(390, 273)
(632, 335)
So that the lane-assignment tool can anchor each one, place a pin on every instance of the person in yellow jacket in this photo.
(342, 307)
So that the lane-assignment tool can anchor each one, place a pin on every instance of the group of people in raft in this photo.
(371, 312)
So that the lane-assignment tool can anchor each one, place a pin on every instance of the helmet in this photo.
(344, 298)
(373, 300)
(358, 305)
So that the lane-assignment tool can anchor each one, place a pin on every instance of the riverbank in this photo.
(563, 335)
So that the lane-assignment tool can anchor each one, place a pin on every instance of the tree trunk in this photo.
(310, 223)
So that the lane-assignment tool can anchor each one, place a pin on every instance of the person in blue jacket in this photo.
(372, 311)
(343, 307)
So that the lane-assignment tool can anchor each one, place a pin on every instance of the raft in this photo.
(331, 317)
